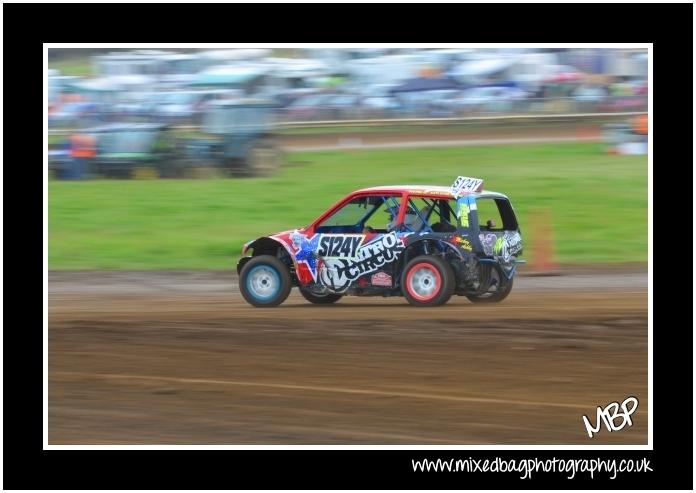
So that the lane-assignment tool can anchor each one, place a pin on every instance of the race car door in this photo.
(358, 239)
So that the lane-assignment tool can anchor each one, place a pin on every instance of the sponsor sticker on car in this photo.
(381, 279)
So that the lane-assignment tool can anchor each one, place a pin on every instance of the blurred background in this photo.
(559, 130)
(178, 87)
(162, 164)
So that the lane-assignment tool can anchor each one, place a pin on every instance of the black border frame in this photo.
(27, 26)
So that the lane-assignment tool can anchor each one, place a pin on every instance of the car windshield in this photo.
(343, 100)
(480, 92)
(310, 100)
(442, 93)
(182, 66)
(376, 212)
(179, 97)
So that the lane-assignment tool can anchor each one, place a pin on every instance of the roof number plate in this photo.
(465, 184)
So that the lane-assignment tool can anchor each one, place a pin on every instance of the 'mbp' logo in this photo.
(609, 415)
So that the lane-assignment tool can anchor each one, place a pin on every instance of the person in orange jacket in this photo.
(640, 125)
(83, 148)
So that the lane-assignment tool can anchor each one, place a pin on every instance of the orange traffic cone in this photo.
(543, 261)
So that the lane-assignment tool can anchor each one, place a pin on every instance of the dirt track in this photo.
(181, 359)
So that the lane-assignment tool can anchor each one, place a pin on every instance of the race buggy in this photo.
(423, 242)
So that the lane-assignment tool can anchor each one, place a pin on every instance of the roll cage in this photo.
(435, 204)
(372, 203)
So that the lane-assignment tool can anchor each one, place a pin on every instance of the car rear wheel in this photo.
(503, 288)
(320, 299)
(427, 281)
(265, 281)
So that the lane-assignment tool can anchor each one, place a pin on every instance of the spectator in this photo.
(83, 150)
(640, 127)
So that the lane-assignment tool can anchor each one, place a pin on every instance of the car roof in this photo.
(428, 190)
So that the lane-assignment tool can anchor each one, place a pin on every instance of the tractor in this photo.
(126, 149)
(238, 137)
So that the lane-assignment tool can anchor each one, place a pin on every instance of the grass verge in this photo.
(598, 204)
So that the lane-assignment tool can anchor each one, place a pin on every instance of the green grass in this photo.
(81, 66)
(598, 204)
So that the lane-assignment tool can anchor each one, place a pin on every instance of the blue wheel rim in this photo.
(263, 282)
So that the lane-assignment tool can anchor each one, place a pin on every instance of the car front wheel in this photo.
(265, 281)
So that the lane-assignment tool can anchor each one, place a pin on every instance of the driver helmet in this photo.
(411, 219)
(393, 214)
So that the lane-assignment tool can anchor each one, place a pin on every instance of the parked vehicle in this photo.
(240, 138)
(60, 161)
(627, 138)
(590, 94)
(489, 99)
(136, 105)
(307, 107)
(425, 243)
(124, 147)
(284, 98)
(378, 106)
(340, 106)
(187, 106)
(74, 114)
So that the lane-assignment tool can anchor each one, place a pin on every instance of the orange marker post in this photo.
(542, 247)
